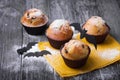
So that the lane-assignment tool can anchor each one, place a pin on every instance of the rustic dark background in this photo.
(13, 36)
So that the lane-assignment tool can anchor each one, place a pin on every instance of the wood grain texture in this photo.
(110, 13)
(36, 69)
(11, 39)
(118, 2)
(13, 36)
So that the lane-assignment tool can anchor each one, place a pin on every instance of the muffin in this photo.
(75, 53)
(96, 27)
(59, 32)
(34, 21)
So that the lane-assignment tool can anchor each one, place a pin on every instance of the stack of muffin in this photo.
(59, 33)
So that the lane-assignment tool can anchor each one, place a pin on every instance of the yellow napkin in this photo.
(107, 53)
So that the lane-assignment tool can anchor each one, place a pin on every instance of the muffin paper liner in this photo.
(57, 44)
(75, 63)
(99, 38)
(36, 30)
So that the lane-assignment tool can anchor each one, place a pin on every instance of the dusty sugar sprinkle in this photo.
(110, 54)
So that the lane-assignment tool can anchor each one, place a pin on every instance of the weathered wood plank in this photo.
(111, 72)
(36, 68)
(14, 36)
(111, 13)
(118, 2)
(10, 38)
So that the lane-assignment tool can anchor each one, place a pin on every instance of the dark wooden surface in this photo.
(13, 36)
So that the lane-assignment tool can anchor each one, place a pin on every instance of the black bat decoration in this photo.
(37, 54)
(21, 50)
(91, 38)
(24, 49)
(30, 44)
(83, 33)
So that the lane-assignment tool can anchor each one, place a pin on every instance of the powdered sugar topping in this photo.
(37, 13)
(58, 23)
(109, 54)
(96, 20)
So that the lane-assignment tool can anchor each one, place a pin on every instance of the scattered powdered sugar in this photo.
(36, 63)
(6, 24)
(11, 60)
(28, 63)
(73, 29)
(34, 49)
(57, 23)
(75, 34)
(13, 66)
(98, 21)
(52, 51)
(9, 11)
(110, 54)
(37, 13)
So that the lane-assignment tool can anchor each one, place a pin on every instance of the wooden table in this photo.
(13, 36)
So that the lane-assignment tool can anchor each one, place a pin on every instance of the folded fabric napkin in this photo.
(107, 53)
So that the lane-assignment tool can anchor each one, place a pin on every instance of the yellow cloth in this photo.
(107, 53)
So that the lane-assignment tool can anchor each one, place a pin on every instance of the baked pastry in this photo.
(34, 21)
(75, 53)
(59, 32)
(96, 27)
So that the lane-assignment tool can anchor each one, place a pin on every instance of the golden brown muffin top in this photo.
(34, 18)
(95, 26)
(75, 50)
(59, 29)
